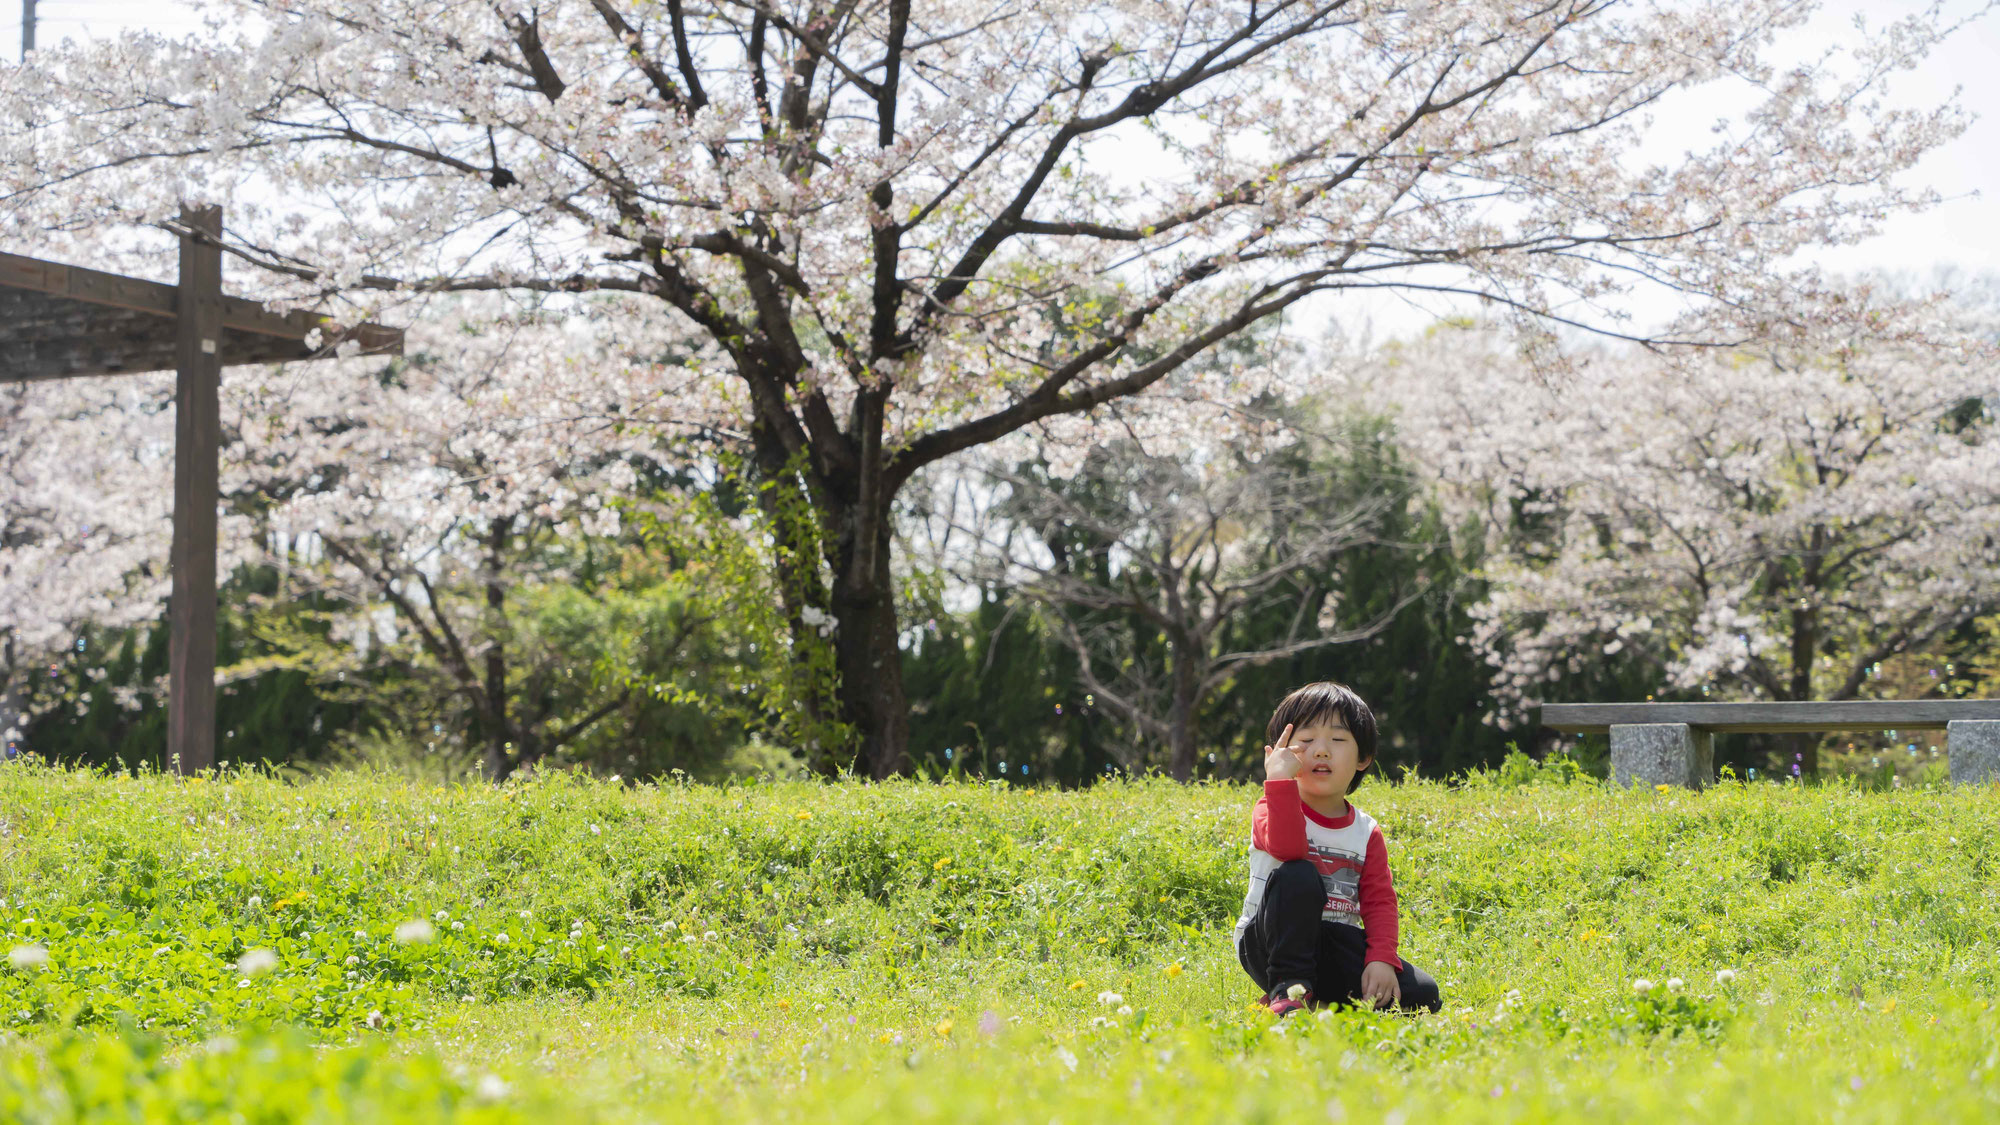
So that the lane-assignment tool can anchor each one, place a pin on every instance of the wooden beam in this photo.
(1772, 718)
(88, 322)
(93, 286)
(197, 451)
(120, 292)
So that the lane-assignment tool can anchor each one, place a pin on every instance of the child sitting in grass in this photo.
(1319, 923)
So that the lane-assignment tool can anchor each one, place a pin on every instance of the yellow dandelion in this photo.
(802, 815)
(882, 1038)
(1173, 970)
(1077, 984)
(784, 1005)
(1104, 941)
(1587, 935)
(1889, 1005)
(940, 865)
(943, 1028)
(1662, 787)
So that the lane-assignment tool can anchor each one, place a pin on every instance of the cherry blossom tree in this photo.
(1769, 522)
(431, 494)
(430, 498)
(84, 510)
(894, 221)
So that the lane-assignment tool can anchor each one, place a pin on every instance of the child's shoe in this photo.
(1283, 1002)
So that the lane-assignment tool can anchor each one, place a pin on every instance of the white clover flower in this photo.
(361, 935)
(596, 831)
(457, 926)
(709, 936)
(256, 901)
(501, 938)
(1642, 986)
(243, 984)
(527, 914)
(491, 1087)
(28, 956)
(1100, 1021)
(352, 960)
(1675, 984)
(1513, 994)
(1296, 992)
(416, 931)
(1108, 997)
(256, 962)
(442, 916)
(376, 1019)
(1725, 976)
(1124, 1009)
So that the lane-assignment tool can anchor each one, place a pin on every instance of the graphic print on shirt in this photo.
(1340, 873)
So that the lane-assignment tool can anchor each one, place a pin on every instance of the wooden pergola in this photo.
(59, 322)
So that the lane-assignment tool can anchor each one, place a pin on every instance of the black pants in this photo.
(1287, 942)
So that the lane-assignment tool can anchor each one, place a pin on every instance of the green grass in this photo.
(814, 952)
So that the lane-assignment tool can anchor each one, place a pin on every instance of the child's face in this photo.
(1328, 759)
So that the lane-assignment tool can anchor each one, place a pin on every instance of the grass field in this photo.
(571, 949)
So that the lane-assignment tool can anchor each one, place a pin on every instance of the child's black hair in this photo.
(1323, 701)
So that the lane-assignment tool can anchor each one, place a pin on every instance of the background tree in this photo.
(1771, 523)
(1144, 561)
(449, 500)
(428, 551)
(84, 525)
(1428, 688)
(861, 204)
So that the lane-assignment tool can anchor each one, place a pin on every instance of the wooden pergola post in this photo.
(197, 452)
(59, 322)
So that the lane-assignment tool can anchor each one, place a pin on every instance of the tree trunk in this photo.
(11, 734)
(1804, 747)
(866, 655)
(498, 763)
(1181, 735)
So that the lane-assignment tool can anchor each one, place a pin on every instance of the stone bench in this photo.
(1674, 743)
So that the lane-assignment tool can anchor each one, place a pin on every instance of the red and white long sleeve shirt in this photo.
(1352, 859)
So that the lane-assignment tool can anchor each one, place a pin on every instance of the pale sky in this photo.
(1963, 231)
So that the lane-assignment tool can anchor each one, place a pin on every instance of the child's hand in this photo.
(1281, 761)
(1378, 985)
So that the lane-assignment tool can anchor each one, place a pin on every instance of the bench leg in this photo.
(1974, 747)
(1662, 754)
